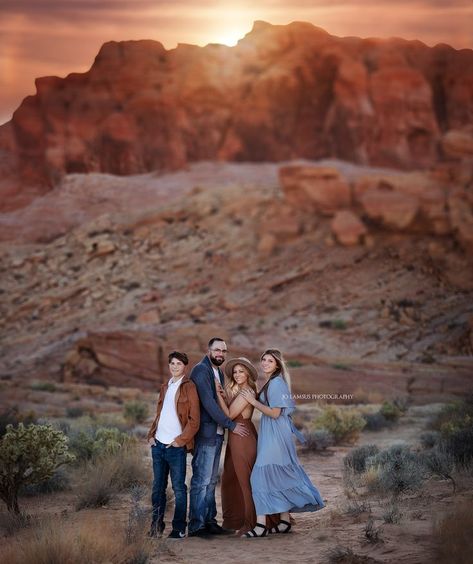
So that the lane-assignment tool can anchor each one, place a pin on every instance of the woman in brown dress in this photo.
(237, 500)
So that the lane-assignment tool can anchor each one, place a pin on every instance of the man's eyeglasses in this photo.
(223, 351)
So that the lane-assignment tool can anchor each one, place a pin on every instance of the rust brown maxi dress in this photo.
(237, 501)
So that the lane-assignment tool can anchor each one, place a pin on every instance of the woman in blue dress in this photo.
(278, 482)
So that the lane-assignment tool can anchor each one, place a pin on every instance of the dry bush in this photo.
(453, 534)
(343, 424)
(104, 477)
(345, 555)
(58, 542)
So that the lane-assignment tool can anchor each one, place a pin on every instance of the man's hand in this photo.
(151, 441)
(241, 430)
(173, 444)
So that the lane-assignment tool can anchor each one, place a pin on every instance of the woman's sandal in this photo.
(276, 530)
(253, 534)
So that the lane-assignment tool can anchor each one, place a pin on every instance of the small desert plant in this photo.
(29, 455)
(440, 462)
(429, 439)
(392, 513)
(356, 508)
(74, 411)
(345, 555)
(344, 424)
(317, 440)
(88, 441)
(459, 444)
(453, 416)
(294, 363)
(356, 458)
(390, 411)
(372, 534)
(60, 481)
(375, 421)
(105, 476)
(453, 535)
(136, 412)
(398, 469)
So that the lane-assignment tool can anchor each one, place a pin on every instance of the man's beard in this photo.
(217, 361)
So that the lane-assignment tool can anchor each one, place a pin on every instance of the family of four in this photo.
(262, 481)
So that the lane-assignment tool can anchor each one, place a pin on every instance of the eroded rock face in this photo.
(283, 92)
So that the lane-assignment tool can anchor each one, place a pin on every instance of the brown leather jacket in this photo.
(188, 412)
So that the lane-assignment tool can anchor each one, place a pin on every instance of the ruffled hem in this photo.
(279, 502)
(270, 497)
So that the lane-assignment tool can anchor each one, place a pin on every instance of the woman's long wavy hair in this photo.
(281, 368)
(232, 386)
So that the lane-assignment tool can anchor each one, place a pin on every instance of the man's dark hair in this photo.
(180, 356)
(213, 339)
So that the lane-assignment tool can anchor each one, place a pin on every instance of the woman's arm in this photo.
(237, 406)
(273, 412)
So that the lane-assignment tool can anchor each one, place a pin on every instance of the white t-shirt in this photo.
(220, 429)
(169, 426)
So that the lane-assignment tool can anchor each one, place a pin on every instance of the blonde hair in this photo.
(232, 386)
(281, 367)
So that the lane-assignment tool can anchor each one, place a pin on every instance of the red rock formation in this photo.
(282, 92)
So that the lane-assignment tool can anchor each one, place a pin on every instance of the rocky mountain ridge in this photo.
(283, 92)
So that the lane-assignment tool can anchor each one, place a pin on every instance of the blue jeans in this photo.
(203, 509)
(171, 461)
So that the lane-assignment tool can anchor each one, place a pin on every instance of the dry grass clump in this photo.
(57, 541)
(102, 478)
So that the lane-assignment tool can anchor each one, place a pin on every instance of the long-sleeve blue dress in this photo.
(278, 481)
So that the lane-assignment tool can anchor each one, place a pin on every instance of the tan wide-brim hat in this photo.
(244, 362)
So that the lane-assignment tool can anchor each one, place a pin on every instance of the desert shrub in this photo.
(98, 488)
(317, 440)
(454, 424)
(355, 508)
(135, 537)
(110, 474)
(429, 439)
(402, 403)
(453, 536)
(372, 534)
(345, 555)
(60, 481)
(390, 411)
(439, 462)
(459, 444)
(43, 386)
(13, 416)
(398, 470)
(375, 421)
(392, 514)
(357, 457)
(136, 411)
(88, 441)
(453, 416)
(29, 455)
(74, 411)
(344, 424)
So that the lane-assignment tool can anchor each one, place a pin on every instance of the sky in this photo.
(56, 37)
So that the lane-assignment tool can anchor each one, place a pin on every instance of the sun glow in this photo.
(230, 35)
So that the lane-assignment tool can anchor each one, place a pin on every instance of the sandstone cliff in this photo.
(283, 92)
